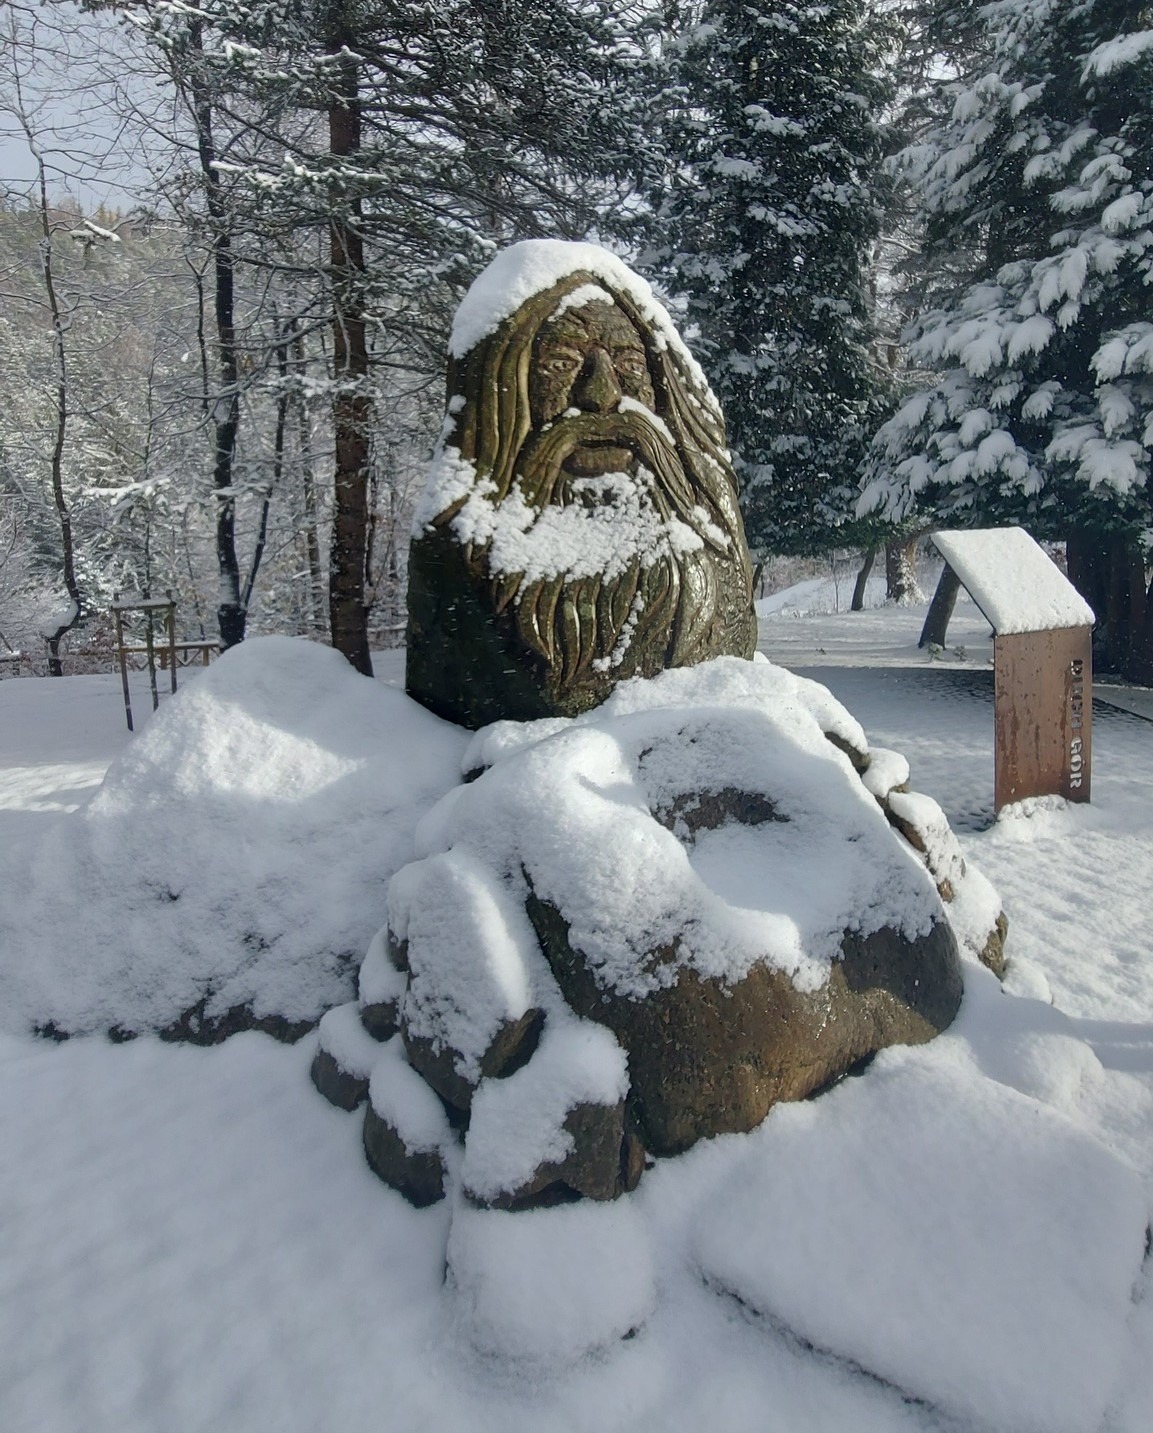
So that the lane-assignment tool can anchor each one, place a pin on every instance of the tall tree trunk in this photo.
(901, 571)
(858, 602)
(1086, 562)
(351, 404)
(1108, 569)
(1127, 606)
(225, 408)
(1142, 665)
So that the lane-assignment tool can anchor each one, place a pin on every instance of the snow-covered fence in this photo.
(157, 648)
(15, 664)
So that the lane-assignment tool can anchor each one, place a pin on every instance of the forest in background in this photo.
(912, 244)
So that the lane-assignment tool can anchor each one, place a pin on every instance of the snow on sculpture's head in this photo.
(580, 523)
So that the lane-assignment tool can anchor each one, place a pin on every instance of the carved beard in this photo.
(662, 604)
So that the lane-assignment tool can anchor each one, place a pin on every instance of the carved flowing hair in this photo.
(670, 608)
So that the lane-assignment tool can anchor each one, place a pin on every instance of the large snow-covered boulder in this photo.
(649, 924)
(705, 874)
(955, 1238)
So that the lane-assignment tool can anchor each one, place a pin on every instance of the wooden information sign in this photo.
(1042, 661)
(1043, 710)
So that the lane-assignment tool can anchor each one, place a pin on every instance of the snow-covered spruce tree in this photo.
(1037, 191)
(764, 225)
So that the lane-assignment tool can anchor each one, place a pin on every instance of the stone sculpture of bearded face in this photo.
(587, 360)
(580, 524)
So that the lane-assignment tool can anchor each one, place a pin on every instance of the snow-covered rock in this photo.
(549, 1286)
(188, 885)
(695, 866)
(957, 1239)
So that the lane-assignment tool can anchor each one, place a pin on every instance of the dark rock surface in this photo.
(338, 1086)
(706, 1059)
(438, 1063)
(418, 1175)
(197, 1027)
(597, 1168)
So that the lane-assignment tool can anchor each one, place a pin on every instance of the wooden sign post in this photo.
(1043, 715)
(1042, 661)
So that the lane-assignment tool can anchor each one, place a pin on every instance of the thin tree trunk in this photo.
(201, 337)
(858, 602)
(225, 410)
(351, 404)
(277, 466)
(196, 607)
(60, 362)
(940, 609)
(316, 605)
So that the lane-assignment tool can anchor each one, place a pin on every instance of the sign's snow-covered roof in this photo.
(1013, 580)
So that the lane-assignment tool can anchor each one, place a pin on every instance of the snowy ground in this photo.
(192, 1241)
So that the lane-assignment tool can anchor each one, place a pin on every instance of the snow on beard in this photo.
(597, 564)
(585, 502)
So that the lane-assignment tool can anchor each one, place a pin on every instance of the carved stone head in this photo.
(580, 524)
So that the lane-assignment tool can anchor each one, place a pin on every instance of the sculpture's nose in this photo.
(596, 389)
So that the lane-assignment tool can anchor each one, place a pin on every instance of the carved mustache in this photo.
(544, 454)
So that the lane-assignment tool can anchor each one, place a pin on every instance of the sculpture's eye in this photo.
(562, 361)
(630, 362)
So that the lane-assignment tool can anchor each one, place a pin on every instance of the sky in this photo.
(49, 77)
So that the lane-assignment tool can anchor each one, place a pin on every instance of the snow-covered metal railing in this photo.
(152, 607)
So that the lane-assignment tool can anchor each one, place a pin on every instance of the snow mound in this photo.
(1026, 1043)
(190, 881)
(550, 1285)
(951, 1236)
